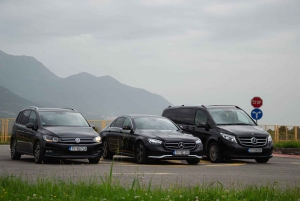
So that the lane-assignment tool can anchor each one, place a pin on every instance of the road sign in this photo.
(256, 102)
(256, 114)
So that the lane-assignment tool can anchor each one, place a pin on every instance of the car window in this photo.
(33, 119)
(152, 123)
(119, 122)
(170, 113)
(230, 116)
(127, 122)
(185, 116)
(200, 117)
(62, 118)
(25, 117)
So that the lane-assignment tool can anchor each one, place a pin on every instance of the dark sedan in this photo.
(49, 133)
(149, 137)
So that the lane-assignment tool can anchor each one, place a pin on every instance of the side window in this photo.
(200, 117)
(32, 119)
(119, 122)
(171, 114)
(113, 123)
(25, 117)
(127, 122)
(186, 116)
(19, 117)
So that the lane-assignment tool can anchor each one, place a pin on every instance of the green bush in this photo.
(287, 144)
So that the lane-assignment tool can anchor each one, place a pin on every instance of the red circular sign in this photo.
(256, 102)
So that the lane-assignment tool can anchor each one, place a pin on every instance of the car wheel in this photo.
(193, 161)
(214, 153)
(105, 150)
(13, 151)
(38, 153)
(94, 160)
(262, 160)
(140, 153)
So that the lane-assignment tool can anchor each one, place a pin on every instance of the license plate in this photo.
(181, 152)
(77, 148)
(255, 150)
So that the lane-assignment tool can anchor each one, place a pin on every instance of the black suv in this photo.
(227, 131)
(54, 133)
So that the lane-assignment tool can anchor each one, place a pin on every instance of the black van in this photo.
(226, 131)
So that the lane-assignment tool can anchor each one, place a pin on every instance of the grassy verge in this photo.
(14, 188)
(287, 144)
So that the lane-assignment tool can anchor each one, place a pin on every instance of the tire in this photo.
(214, 153)
(105, 150)
(38, 153)
(140, 153)
(262, 160)
(193, 161)
(94, 160)
(13, 151)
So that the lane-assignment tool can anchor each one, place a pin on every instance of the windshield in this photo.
(153, 123)
(230, 116)
(62, 119)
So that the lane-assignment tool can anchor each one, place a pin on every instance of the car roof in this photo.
(202, 106)
(142, 115)
(44, 109)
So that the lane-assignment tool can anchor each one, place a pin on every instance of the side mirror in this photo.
(127, 128)
(30, 125)
(202, 125)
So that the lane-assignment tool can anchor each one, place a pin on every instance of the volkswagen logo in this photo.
(181, 145)
(77, 140)
(253, 140)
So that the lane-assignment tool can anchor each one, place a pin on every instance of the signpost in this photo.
(256, 113)
(256, 102)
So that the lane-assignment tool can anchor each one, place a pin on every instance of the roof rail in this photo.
(34, 107)
(68, 108)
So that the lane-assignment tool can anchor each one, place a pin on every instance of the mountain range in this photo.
(29, 82)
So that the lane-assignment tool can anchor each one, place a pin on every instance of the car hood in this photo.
(166, 135)
(63, 131)
(244, 130)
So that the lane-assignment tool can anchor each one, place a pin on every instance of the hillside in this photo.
(93, 96)
(11, 104)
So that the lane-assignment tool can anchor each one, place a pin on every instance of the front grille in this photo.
(253, 141)
(72, 141)
(180, 145)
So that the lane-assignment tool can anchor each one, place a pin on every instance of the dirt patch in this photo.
(290, 151)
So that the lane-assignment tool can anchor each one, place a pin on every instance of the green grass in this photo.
(17, 188)
(287, 144)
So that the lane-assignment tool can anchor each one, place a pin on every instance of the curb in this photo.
(287, 151)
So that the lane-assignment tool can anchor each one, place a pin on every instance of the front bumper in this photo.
(160, 152)
(59, 150)
(237, 151)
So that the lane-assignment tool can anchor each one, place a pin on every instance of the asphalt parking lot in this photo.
(279, 170)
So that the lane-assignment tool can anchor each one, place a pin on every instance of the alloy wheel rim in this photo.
(213, 153)
(140, 152)
(37, 153)
(105, 149)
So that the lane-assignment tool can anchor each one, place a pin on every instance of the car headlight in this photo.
(154, 141)
(49, 138)
(269, 139)
(97, 139)
(198, 141)
(230, 138)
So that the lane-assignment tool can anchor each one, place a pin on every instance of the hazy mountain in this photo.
(11, 104)
(30, 79)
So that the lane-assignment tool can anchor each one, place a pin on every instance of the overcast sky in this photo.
(188, 51)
